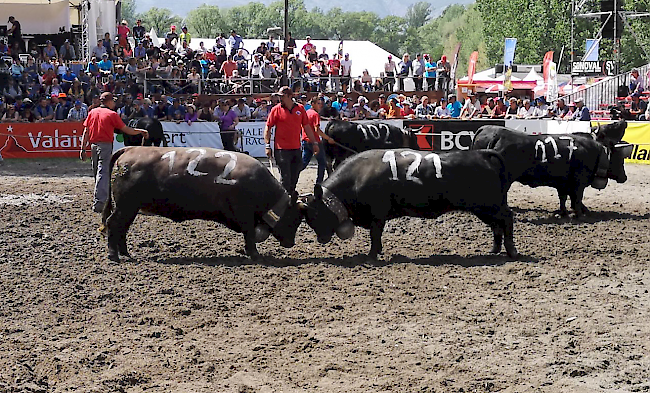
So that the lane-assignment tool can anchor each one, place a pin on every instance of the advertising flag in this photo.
(509, 52)
(454, 65)
(471, 68)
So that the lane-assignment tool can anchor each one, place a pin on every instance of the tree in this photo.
(160, 19)
(206, 21)
(128, 11)
(418, 14)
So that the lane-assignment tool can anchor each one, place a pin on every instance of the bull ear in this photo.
(318, 191)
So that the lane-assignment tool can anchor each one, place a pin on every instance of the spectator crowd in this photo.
(51, 84)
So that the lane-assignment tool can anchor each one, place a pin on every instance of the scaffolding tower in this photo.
(609, 18)
(84, 45)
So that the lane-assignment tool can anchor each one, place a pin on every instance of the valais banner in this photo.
(29, 140)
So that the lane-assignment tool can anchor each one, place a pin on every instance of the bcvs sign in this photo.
(461, 140)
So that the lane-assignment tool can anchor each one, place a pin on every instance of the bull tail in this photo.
(108, 207)
(503, 171)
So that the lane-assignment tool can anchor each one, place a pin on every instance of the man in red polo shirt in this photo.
(99, 127)
(288, 118)
(307, 150)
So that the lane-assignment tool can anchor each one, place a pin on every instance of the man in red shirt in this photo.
(98, 131)
(307, 48)
(289, 118)
(227, 67)
(307, 149)
(335, 70)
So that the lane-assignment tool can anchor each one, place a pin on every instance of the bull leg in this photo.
(251, 247)
(376, 229)
(579, 209)
(563, 196)
(497, 231)
(118, 225)
(508, 230)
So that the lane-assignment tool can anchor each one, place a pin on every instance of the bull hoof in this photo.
(512, 252)
(373, 255)
(495, 249)
(561, 214)
(114, 257)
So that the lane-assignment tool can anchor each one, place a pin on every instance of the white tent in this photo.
(38, 16)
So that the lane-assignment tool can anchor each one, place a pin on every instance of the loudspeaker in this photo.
(608, 6)
(3, 30)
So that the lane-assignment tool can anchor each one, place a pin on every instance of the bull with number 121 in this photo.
(375, 186)
(198, 183)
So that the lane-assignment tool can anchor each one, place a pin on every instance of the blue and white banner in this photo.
(591, 50)
(509, 51)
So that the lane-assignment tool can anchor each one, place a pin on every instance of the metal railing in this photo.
(253, 85)
(605, 93)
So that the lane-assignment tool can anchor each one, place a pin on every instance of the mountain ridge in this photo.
(380, 7)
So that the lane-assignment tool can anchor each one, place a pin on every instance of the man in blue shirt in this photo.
(105, 64)
(454, 107)
(140, 52)
(430, 73)
(176, 106)
(93, 68)
(581, 112)
(67, 79)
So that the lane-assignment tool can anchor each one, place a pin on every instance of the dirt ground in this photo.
(437, 313)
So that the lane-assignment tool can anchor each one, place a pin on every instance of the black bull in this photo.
(153, 127)
(352, 138)
(566, 162)
(375, 186)
(197, 183)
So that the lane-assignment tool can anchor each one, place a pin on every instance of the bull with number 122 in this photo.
(375, 186)
(567, 162)
(197, 183)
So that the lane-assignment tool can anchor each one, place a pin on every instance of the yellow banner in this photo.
(637, 133)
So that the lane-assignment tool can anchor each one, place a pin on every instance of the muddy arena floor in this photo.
(437, 313)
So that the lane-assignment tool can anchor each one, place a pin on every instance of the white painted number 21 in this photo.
(389, 157)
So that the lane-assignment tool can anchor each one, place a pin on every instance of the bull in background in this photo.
(352, 138)
(378, 185)
(197, 183)
(567, 162)
(153, 127)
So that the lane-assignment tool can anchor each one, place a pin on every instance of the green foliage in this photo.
(160, 19)
(206, 21)
(128, 11)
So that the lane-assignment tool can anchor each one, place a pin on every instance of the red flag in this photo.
(548, 58)
(471, 68)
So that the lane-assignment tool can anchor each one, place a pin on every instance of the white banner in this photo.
(205, 134)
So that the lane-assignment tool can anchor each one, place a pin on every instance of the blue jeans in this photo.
(308, 153)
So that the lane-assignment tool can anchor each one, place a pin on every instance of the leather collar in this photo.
(273, 216)
(335, 205)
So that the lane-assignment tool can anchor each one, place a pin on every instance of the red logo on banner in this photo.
(424, 136)
(29, 140)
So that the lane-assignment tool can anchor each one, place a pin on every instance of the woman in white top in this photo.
(526, 111)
